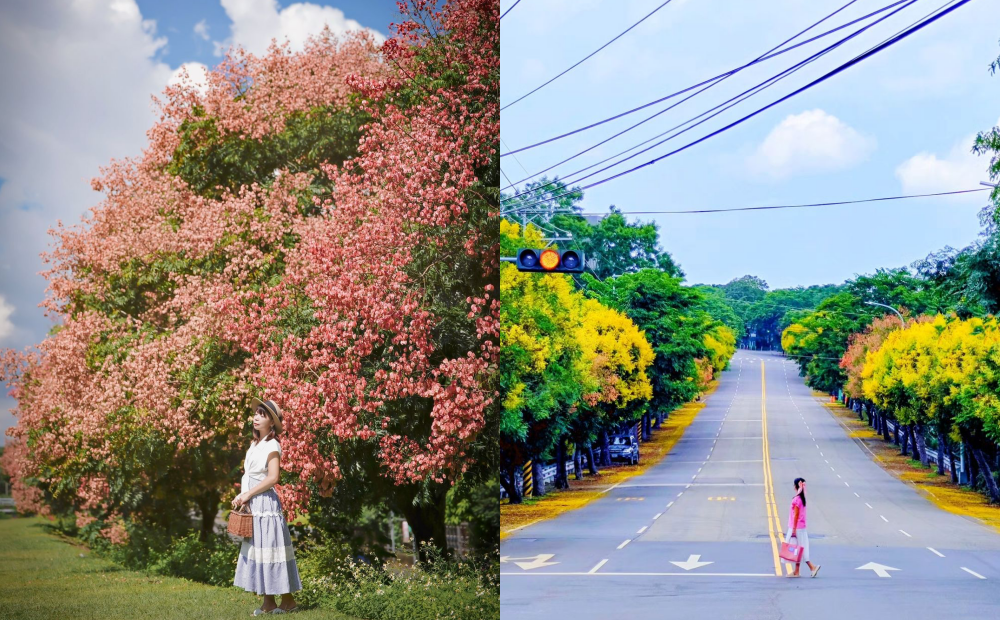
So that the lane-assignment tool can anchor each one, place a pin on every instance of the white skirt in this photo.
(803, 539)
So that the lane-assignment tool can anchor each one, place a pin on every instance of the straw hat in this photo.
(272, 408)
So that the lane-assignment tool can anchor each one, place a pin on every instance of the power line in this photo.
(588, 57)
(721, 76)
(875, 50)
(799, 206)
(725, 105)
(718, 109)
(510, 9)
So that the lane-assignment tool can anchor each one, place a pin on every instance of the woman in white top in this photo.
(266, 564)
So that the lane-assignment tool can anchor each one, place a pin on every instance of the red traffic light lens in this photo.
(549, 260)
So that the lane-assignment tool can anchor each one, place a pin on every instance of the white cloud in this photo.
(197, 73)
(6, 327)
(201, 29)
(77, 84)
(256, 22)
(807, 143)
(959, 169)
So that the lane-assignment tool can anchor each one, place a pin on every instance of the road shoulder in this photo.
(937, 489)
(514, 517)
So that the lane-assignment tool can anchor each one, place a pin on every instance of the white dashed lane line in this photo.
(643, 529)
(973, 573)
(884, 519)
(599, 565)
(624, 543)
(869, 505)
(657, 516)
(936, 552)
(905, 534)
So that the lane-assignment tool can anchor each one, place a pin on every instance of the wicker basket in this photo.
(241, 522)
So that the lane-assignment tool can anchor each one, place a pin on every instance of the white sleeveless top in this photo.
(255, 463)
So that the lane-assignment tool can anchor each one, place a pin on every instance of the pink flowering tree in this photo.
(314, 228)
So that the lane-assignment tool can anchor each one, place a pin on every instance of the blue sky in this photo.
(78, 82)
(898, 123)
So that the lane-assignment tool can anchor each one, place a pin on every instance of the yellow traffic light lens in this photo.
(549, 260)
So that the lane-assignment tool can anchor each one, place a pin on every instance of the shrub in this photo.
(212, 561)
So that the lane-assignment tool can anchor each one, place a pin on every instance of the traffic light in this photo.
(550, 261)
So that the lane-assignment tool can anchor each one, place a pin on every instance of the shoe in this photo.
(816, 570)
(277, 610)
(259, 612)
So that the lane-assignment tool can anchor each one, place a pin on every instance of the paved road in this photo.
(721, 498)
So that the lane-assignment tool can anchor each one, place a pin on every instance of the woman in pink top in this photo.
(797, 526)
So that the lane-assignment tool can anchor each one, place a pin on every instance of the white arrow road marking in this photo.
(880, 569)
(973, 573)
(692, 562)
(538, 561)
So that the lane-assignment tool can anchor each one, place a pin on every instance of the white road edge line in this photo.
(625, 543)
(522, 574)
(599, 565)
(936, 552)
(973, 573)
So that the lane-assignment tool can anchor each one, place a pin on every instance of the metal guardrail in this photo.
(548, 475)
(7, 502)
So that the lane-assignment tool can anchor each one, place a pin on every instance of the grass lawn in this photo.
(581, 492)
(43, 576)
(938, 489)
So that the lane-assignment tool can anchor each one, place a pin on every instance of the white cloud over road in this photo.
(256, 22)
(957, 169)
(808, 143)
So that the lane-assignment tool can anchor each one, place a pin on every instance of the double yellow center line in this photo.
(774, 526)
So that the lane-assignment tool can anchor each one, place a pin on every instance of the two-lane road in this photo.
(699, 533)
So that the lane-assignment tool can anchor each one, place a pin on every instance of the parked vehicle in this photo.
(624, 448)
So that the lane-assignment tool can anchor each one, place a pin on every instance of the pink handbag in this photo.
(791, 552)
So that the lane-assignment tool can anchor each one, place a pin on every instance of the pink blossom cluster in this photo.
(373, 340)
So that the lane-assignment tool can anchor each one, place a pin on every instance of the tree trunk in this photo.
(984, 467)
(951, 462)
(605, 449)
(646, 433)
(895, 433)
(940, 452)
(906, 442)
(508, 480)
(537, 481)
(208, 506)
(427, 521)
(562, 480)
(591, 461)
(972, 467)
(919, 449)
(885, 428)
(657, 420)
(577, 464)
